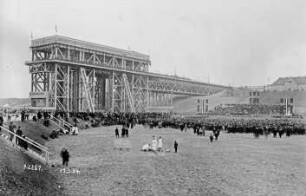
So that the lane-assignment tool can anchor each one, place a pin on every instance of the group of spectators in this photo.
(277, 127)
(44, 116)
(16, 139)
(250, 109)
(24, 115)
(257, 126)
(124, 131)
(244, 124)
(74, 130)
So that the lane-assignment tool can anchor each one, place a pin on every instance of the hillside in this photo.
(16, 180)
(14, 101)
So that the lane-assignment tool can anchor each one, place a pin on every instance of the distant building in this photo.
(288, 83)
(287, 91)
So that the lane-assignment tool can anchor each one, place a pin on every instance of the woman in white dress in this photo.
(154, 144)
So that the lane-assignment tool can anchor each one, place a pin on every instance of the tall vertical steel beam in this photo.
(55, 86)
(112, 91)
(68, 101)
(147, 94)
(80, 90)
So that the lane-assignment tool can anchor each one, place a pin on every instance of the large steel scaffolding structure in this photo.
(74, 75)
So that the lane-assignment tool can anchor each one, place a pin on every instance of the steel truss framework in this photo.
(72, 75)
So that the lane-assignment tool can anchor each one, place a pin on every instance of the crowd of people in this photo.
(250, 109)
(203, 126)
(244, 124)
(257, 126)
(277, 127)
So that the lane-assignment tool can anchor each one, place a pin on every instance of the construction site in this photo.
(71, 75)
(77, 76)
(152, 98)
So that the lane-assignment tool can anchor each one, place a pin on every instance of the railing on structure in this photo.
(129, 93)
(56, 124)
(30, 147)
(87, 91)
(60, 123)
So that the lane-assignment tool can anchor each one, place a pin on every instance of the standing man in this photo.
(175, 146)
(211, 137)
(39, 115)
(65, 156)
(1, 121)
(117, 132)
(217, 133)
(127, 132)
(19, 133)
(123, 131)
(11, 129)
(22, 115)
(46, 115)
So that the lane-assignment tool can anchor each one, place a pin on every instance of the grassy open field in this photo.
(237, 164)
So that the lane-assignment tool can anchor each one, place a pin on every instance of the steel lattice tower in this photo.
(74, 75)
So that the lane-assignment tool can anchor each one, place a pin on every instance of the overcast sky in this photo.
(236, 42)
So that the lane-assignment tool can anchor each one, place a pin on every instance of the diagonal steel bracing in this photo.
(73, 75)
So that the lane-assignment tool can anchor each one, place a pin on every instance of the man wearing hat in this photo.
(19, 133)
(1, 121)
(11, 129)
(65, 156)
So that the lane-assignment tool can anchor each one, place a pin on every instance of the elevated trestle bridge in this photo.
(73, 75)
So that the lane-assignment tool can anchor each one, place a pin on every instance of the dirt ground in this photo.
(236, 164)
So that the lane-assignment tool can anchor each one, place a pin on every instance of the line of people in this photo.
(124, 132)
(13, 138)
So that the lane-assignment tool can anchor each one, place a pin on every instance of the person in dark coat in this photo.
(26, 116)
(175, 146)
(53, 134)
(11, 129)
(1, 121)
(275, 131)
(23, 143)
(122, 132)
(22, 115)
(117, 132)
(211, 137)
(217, 133)
(280, 132)
(34, 118)
(65, 156)
(46, 115)
(39, 115)
(19, 133)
